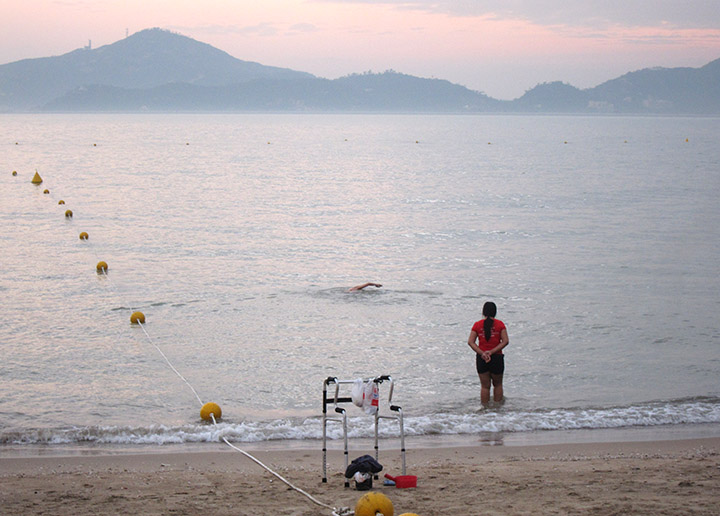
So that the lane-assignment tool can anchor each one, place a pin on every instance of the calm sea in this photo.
(238, 237)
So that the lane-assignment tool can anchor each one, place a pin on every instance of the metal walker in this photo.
(336, 400)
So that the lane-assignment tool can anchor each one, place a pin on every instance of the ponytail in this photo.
(487, 327)
(489, 311)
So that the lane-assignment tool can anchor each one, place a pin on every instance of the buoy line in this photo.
(102, 268)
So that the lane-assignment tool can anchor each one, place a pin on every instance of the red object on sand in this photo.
(403, 481)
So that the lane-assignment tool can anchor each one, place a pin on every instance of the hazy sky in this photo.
(500, 47)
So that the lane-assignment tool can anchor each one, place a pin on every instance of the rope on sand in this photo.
(343, 511)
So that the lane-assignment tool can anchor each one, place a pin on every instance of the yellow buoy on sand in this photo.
(68, 213)
(137, 317)
(36, 180)
(409, 514)
(46, 191)
(210, 408)
(14, 172)
(372, 503)
(83, 236)
(61, 201)
(101, 266)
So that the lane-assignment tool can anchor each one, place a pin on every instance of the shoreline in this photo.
(501, 439)
(221, 455)
(662, 477)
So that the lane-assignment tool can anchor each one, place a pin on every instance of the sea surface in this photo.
(238, 236)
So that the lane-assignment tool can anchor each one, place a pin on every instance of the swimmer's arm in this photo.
(360, 287)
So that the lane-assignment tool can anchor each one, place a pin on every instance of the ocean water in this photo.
(238, 237)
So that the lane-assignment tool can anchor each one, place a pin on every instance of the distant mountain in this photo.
(147, 59)
(388, 91)
(555, 97)
(661, 90)
(649, 91)
(157, 70)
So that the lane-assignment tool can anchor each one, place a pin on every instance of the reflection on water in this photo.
(491, 438)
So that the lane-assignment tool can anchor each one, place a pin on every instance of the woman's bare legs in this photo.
(484, 388)
(497, 388)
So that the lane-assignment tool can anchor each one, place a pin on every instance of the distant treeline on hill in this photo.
(158, 70)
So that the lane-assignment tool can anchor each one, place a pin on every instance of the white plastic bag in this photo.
(358, 392)
(372, 398)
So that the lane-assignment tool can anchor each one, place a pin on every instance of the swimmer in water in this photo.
(360, 287)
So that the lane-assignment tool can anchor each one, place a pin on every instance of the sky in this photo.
(499, 47)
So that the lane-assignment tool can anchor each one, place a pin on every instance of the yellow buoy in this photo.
(68, 213)
(36, 180)
(14, 172)
(137, 317)
(372, 503)
(408, 514)
(210, 408)
(83, 236)
(61, 201)
(46, 191)
(101, 267)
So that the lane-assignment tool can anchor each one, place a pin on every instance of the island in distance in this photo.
(161, 71)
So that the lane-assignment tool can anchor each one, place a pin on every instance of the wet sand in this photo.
(649, 477)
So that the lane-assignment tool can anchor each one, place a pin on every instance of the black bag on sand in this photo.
(363, 468)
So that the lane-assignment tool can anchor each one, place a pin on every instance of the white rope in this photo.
(336, 511)
(287, 482)
(169, 364)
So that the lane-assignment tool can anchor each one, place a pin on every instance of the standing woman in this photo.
(487, 338)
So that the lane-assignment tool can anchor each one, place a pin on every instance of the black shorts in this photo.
(495, 366)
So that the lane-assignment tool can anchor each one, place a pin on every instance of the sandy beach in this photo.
(651, 477)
